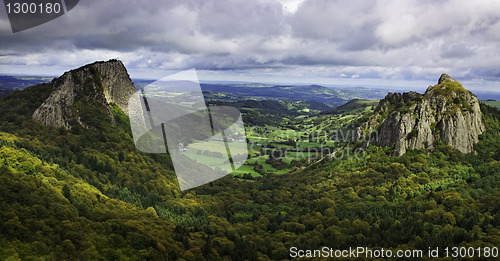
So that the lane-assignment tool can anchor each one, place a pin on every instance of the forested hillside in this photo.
(88, 194)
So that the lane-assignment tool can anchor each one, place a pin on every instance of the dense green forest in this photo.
(88, 194)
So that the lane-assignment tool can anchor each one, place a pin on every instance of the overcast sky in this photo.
(362, 43)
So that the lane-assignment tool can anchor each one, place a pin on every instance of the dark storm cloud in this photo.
(112, 24)
(240, 18)
(381, 39)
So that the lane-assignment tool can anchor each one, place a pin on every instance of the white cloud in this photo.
(384, 39)
(290, 6)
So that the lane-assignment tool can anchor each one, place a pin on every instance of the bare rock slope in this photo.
(97, 84)
(446, 112)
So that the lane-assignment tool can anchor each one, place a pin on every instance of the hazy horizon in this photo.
(481, 93)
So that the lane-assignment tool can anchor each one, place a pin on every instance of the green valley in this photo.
(87, 193)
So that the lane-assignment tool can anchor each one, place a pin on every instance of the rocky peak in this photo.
(445, 78)
(446, 112)
(447, 86)
(86, 92)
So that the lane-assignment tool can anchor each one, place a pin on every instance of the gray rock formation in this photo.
(97, 84)
(446, 112)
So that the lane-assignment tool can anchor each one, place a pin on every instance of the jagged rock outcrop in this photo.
(97, 84)
(446, 112)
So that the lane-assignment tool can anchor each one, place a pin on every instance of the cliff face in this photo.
(446, 112)
(97, 84)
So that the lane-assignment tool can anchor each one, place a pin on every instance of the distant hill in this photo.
(272, 112)
(353, 105)
(330, 96)
(11, 83)
(491, 103)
